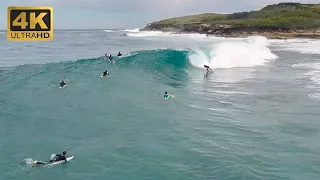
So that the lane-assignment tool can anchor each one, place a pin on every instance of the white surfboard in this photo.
(103, 75)
(59, 162)
(172, 96)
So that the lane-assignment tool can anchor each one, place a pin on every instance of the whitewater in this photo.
(255, 117)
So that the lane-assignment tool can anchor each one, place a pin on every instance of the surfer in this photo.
(108, 56)
(207, 73)
(207, 67)
(166, 95)
(62, 84)
(105, 73)
(59, 157)
(111, 59)
(119, 54)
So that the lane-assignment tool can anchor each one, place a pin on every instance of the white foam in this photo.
(307, 65)
(29, 161)
(249, 52)
(313, 75)
(148, 34)
(315, 96)
(194, 36)
(304, 46)
(108, 30)
(132, 30)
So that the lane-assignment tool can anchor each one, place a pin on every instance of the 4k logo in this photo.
(27, 23)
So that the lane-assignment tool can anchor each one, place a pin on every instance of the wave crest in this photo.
(132, 30)
(251, 52)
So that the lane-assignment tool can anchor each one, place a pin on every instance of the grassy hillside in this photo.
(282, 16)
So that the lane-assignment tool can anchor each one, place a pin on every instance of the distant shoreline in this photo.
(303, 34)
(277, 21)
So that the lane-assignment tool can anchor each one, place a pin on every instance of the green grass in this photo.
(199, 18)
(278, 16)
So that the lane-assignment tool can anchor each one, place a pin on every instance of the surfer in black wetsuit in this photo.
(59, 157)
(62, 84)
(207, 67)
(119, 54)
(111, 58)
(105, 73)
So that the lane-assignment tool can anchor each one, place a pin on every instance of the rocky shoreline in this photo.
(233, 31)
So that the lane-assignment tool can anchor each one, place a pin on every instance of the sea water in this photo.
(255, 117)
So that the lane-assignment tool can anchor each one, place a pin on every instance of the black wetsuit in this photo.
(42, 163)
(105, 73)
(119, 54)
(62, 84)
(59, 157)
(207, 68)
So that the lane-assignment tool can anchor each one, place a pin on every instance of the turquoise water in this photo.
(254, 122)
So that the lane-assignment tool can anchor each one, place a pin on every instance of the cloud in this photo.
(164, 7)
(142, 12)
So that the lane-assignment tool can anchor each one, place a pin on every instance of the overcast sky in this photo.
(110, 14)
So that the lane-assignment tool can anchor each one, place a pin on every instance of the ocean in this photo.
(255, 117)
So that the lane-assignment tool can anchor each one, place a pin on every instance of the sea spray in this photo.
(132, 30)
(148, 34)
(249, 52)
(108, 30)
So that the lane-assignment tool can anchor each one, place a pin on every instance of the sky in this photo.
(129, 14)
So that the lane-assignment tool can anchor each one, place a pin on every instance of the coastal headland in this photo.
(278, 21)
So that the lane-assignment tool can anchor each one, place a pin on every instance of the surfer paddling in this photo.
(62, 84)
(167, 96)
(106, 73)
(58, 157)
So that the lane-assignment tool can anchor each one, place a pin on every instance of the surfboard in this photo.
(54, 163)
(170, 97)
(59, 162)
(110, 60)
(103, 75)
(61, 87)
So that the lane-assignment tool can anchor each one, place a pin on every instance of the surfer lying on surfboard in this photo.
(58, 157)
(105, 73)
(167, 96)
